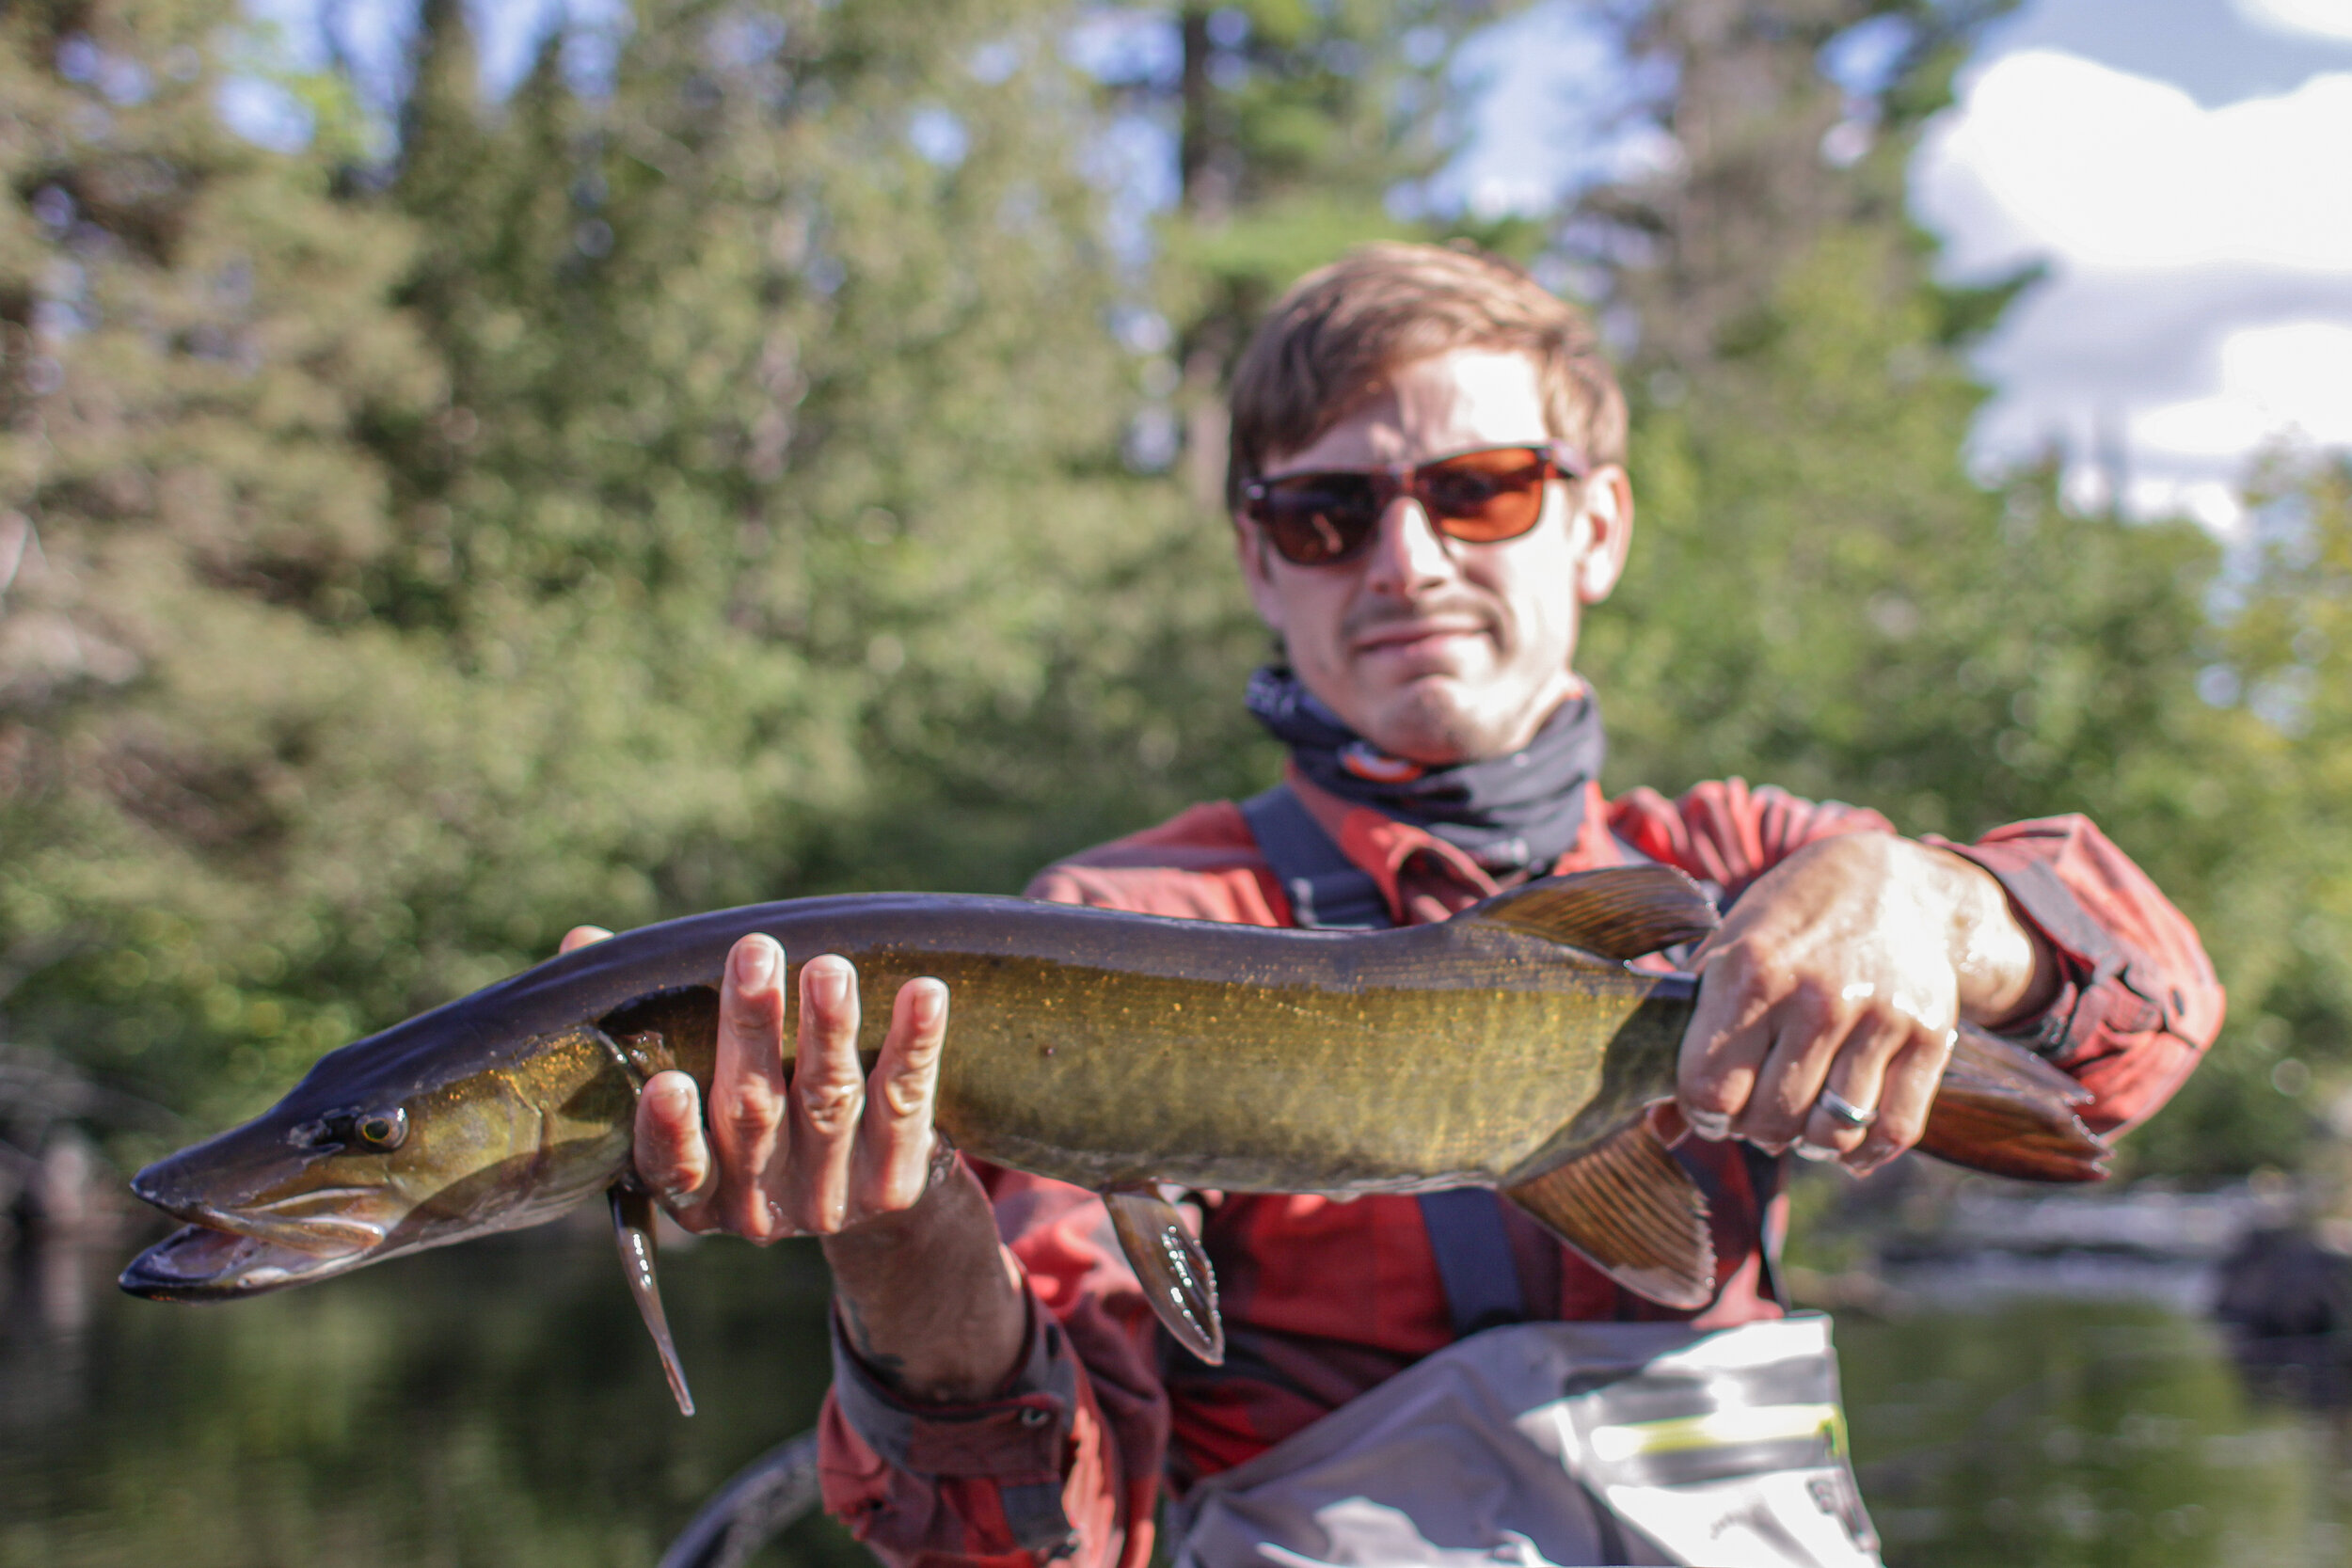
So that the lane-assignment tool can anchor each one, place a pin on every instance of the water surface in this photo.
(497, 1404)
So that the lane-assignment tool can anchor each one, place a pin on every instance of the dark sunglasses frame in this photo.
(1357, 499)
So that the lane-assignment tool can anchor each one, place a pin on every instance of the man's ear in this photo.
(1605, 520)
(1257, 573)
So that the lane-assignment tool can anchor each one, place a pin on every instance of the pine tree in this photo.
(193, 330)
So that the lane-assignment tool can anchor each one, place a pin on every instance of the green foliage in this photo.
(1822, 597)
(648, 501)
(194, 332)
(707, 485)
(1300, 131)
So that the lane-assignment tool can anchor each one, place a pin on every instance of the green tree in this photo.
(1820, 596)
(192, 330)
(1299, 131)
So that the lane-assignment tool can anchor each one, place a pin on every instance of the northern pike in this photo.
(1514, 1046)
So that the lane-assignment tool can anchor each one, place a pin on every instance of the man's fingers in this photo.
(1856, 1077)
(894, 1140)
(1789, 1081)
(747, 1087)
(828, 1098)
(581, 936)
(1909, 1088)
(1722, 1049)
(672, 1156)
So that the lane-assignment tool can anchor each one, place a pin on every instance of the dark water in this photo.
(497, 1405)
(2057, 1433)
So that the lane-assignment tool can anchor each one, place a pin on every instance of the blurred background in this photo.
(470, 469)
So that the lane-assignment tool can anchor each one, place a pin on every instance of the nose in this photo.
(1407, 552)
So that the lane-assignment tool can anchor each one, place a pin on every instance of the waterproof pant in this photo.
(1561, 1443)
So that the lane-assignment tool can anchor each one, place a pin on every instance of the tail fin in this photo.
(2004, 1110)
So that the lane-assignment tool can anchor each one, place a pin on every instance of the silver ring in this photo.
(1838, 1108)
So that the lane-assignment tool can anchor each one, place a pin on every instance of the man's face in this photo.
(1430, 648)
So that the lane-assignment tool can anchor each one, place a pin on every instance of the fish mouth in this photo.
(327, 1222)
(199, 1262)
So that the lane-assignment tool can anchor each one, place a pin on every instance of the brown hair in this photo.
(1329, 343)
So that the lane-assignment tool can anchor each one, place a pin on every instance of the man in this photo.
(1428, 492)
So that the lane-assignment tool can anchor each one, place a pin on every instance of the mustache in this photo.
(1376, 615)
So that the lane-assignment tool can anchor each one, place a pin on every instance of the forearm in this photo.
(928, 1296)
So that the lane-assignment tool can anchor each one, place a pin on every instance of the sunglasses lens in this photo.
(1478, 497)
(1482, 497)
(1315, 520)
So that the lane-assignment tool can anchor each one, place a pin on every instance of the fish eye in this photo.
(381, 1128)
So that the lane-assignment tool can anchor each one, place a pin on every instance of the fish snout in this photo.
(278, 1199)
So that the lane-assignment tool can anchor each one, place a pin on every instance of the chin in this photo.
(1436, 729)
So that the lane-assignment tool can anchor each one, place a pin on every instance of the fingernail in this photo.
(755, 963)
(1714, 1126)
(1869, 1158)
(1805, 1149)
(830, 985)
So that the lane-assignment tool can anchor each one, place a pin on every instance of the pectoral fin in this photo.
(632, 1231)
(1177, 1279)
(1620, 911)
(1630, 1208)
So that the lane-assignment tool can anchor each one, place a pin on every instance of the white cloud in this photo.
(2327, 19)
(2200, 304)
(2051, 154)
(2292, 381)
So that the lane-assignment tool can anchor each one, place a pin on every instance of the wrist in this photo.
(2005, 970)
(929, 1300)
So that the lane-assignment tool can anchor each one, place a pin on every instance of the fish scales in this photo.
(1250, 1085)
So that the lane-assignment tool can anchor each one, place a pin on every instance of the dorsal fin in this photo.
(1630, 1207)
(1620, 911)
(1177, 1279)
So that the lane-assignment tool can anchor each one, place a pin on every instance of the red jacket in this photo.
(1321, 1298)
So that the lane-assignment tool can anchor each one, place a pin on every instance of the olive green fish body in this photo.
(1511, 1047)
(1328, 1063)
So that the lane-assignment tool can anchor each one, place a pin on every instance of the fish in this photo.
(1516, 1046)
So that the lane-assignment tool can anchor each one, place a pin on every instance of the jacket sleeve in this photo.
(1063, 1464)
(2138, 1001)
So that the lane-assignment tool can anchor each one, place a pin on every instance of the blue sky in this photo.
(2183, 167)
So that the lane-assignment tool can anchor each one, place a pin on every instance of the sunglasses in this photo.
(1480, 498)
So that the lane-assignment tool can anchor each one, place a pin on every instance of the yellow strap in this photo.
(1765, 1423)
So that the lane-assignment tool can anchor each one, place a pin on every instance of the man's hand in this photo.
(1837, 978)
(927, 1295)
(811, 1155)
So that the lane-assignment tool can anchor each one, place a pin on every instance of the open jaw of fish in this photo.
(1512, 1047)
